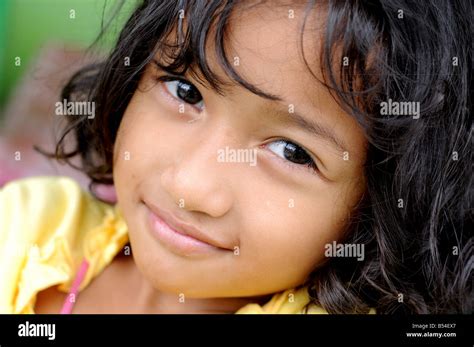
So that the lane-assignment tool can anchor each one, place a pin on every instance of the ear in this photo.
(106, 193)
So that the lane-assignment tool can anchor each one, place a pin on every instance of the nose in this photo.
(196, 181)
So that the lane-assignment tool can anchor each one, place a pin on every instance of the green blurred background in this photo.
(27, 25)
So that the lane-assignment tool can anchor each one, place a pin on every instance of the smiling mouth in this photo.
(180, 237)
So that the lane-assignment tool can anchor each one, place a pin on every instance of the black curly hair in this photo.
(415, 218)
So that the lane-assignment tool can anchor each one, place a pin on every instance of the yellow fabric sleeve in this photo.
(291, 301)
(47, 226)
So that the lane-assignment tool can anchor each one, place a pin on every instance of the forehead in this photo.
(263, 42)
(276, 47)
(265, 45)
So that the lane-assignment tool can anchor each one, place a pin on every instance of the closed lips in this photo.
(186, 229)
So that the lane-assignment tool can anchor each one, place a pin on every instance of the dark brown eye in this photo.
(184, 91)
(291, 152)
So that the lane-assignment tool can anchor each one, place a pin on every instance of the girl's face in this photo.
(188, 154)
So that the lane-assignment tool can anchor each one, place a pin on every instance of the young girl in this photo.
(268, 157)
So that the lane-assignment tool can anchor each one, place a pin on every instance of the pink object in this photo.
(68, 304)
(7, 175)
(106, 193)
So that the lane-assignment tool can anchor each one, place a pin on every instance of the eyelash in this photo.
(311, 167)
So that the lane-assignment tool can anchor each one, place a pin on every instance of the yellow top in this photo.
(48, 225)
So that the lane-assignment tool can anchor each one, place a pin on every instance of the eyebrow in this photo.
(310, 126)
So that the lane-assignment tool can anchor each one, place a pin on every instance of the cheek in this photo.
(125, 153)
(148, 133)
(136, 144)
(132, 151)
(285, 239)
